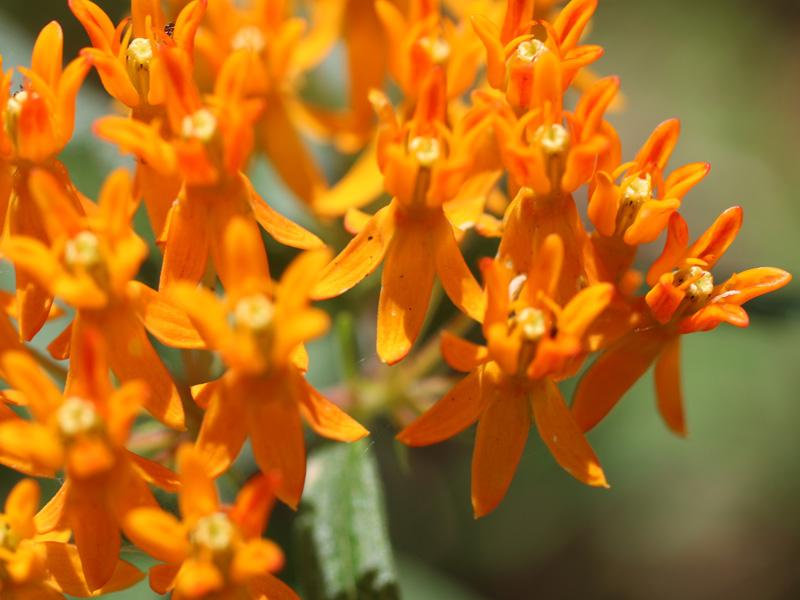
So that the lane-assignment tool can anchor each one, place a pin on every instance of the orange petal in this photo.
(745, 286)
(271, 588)
(604, 204)
(460, 354)
(362, 183)
(299, 279)
(24, 374)
(198, 578)
(571, 21)
(584, 308)
(715, 241)
(674, 249)
(276, 433)
(163, 318)
(21, 506)
(450, 416)
(30, 448)
(709, 317)
(96, 533)
(680, 181)
(545, 271)
(283, 230)
(97, 24)
(113, 75)
(162, 578)
(256, 558)
(158, 533)
(613, 374)
(457, 280)
(64, 565)
(131, 356)
(154, 473)
(47, 56)
(52, 515)
(359, 258)
(254, 503)
(668, 386)
(324, 417)
(205, 311)
(495, 55)
(224, 428)
(502, 431)
(659, 146)
(406, 285)
(563, 437)
(188, 243)
(243, 257)
(198, 496)
(650, 221)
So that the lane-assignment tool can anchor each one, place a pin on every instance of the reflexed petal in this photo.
(224, 428)
(680, 181)
(659, 146)
(451, 415)
(21, 506)
(162, 578)
(96, 533)
(668, 386)
(407, 281)
(197, 578)
(502, 431)
(584, 308)
(717, 238)
(571, 21)
(709, 317)
(283, 230)
(158, 533)
(256, 558)
(324, 417)
(495, 55)
(359, 258)
(66, 570)
(276, 433)
(243, 257)
(563, 437)
(205, 310)
(613, 374)
(650, 221)
(154, 473)
(198, 496)
(674, 249)
(604, 204)
(745, 286)
(188, 243)
(254, 503)
(457, 280)
(299, 279)
(462, 355)
(30, 447)
(163, 318)
(25, 375)
(362, 183)
(545, 272)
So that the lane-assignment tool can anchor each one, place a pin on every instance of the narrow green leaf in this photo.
(344, 546)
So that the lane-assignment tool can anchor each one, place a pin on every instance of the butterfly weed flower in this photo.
(37, 124)
(684, 298)
(90, 265)
(83, 432)
(215, 551)
(34, 565)
(424, 164)
(260, 331)
(531, 343)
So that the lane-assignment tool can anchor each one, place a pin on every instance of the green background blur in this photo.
(714, 516)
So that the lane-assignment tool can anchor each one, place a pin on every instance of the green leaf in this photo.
(344, 546)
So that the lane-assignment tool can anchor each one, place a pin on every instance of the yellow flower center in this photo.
(700, 284)
(13, 111)
(254, 312)
(249, 38)
(531, 323)
(426, 150)
(437, 48)
(529, 50)
(202, 125)
(214, 532)
(137, 60)
(83, 250)
(552, 139)
(77, 416)
(636, 193)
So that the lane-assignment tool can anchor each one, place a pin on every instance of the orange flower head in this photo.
(638, 208)
(531, 342)
(38, 120)
(260, 333)
(214, 550)
(83, 432)
(127, 56)
(512, 53)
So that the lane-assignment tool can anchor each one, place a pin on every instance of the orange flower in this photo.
(424, 165)
(260, 337)
(637, 210)
(683, 299)
(551, 161)
(278, 55)
(215, 551)
(512, 53)
(210, 151)
(83, 432)
(37, 124)
(531, 343)
(90, 266)
(43, 566)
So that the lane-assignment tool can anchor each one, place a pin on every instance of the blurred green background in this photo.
(714, 516)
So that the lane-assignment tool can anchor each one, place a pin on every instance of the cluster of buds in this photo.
(480, 143)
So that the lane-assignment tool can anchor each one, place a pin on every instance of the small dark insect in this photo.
(169, 28)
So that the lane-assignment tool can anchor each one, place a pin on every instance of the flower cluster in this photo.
(478, 140)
